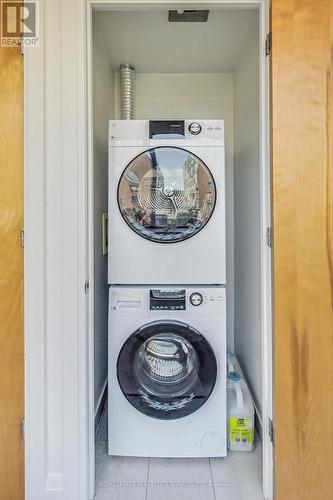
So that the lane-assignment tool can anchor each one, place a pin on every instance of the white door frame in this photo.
(59, 413)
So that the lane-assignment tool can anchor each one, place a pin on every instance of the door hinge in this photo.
(86, 286)
(271, 430)
(22, 237)
(269, 237)
(268, 44)
(23, 428)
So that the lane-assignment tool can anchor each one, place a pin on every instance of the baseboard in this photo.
(101, 405)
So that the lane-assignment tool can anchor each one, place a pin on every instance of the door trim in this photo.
(11, 269)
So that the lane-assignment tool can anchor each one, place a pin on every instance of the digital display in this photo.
(166, 129)
(167, 300)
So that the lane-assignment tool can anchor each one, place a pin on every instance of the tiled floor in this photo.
(236, 477)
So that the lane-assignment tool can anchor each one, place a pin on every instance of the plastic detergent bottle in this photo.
(240, 413)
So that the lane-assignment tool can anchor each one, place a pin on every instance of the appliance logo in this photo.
(19, 23)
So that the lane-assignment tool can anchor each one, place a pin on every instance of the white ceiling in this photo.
(147, 40)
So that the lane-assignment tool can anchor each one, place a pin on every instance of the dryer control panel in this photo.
(186, 129)
(125, 133)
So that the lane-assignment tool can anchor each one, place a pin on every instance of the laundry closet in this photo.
(202, 73)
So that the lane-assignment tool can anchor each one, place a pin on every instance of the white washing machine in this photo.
(167, 371)
(166, 202)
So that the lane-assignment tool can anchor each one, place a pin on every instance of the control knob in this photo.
(194, 128)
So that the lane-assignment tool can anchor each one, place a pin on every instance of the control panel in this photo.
(154, 132)
(174, 302)
(174, 299)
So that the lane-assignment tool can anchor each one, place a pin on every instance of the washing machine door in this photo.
(166, 370)
(166, 194)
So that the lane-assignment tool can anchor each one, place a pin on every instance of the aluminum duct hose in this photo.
(127, 91)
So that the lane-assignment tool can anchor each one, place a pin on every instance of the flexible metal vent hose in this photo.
(127, 91)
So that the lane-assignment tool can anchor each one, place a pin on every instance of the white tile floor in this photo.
(236, 477)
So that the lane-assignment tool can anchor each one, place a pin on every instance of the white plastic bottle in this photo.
(240, 412)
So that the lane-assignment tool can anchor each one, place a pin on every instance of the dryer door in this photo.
(166, 369)
(166, 194)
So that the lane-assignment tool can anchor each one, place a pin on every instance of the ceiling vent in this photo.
(188, 16)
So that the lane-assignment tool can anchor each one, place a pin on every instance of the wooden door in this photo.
(302, 172)
(11, 275)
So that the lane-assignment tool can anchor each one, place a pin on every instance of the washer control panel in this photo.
(177, 302)
(182, 299)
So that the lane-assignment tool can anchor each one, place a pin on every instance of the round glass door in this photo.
(166, 370)
(166, 194)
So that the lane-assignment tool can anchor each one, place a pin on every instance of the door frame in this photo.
(58, 259)
(265, 207)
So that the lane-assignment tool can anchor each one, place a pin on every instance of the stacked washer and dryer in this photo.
(167, 305)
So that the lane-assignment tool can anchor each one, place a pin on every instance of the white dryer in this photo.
(166, 202)
(167, 371)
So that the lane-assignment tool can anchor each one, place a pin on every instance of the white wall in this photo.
(247, 218)
(198, 96)
(145, 38)
(181, 95)
(103, 111)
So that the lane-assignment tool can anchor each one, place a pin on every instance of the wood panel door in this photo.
(302, 173)
(11, 275)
